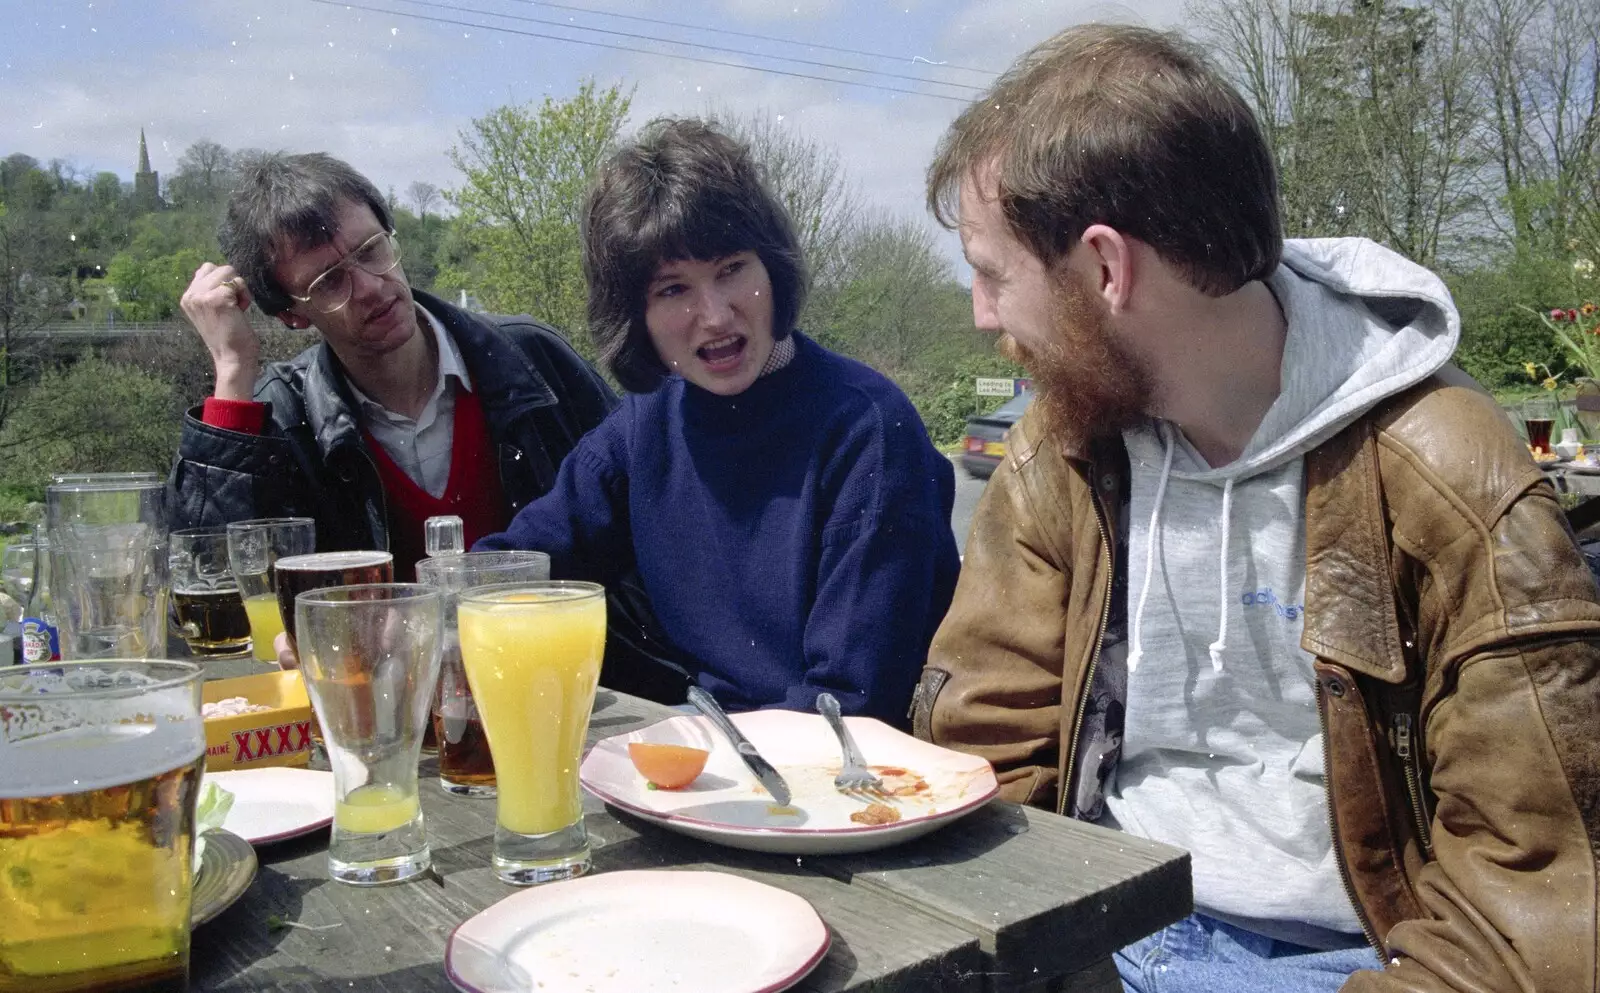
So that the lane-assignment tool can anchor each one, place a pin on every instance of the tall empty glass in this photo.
(532, 653)
(370, 655)
(205, 596)
(100, 766)
(254, 547)
(108, 566)
(466, 766)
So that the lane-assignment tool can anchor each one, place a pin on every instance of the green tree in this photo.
(94, 416)
(33, 289)
(524, 171)
(420, 238)
(148, 289)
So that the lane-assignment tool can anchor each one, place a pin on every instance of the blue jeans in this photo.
(1202, 955)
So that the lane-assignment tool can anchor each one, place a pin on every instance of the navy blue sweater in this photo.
(794, 538)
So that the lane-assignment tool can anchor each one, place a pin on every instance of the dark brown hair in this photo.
(681, 190)
(1128, 127)
(288, 202)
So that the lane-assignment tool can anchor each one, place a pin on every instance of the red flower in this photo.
(1572, 315)
(1558, 314)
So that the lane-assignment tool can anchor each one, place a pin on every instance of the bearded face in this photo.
(1088, 385)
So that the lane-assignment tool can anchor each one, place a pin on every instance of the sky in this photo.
(389, 85)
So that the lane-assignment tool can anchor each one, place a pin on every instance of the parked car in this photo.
(985, 444)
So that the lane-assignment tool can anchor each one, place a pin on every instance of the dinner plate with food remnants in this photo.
(639, 931)
(276, 804)
(683, 775)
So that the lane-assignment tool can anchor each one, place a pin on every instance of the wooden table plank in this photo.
(999, 874)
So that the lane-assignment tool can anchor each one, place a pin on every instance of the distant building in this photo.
(146, 183)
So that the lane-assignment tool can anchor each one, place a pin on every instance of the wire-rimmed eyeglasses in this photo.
(331, 291)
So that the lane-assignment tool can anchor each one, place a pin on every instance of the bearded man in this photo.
(1261, 575)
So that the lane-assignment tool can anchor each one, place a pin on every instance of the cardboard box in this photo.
(280, 736)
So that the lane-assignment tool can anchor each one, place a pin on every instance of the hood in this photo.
(1364, 323)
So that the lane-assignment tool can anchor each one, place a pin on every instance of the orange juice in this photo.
(533, 661)
(265, 624)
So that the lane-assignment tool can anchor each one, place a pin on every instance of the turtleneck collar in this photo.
(771, 395)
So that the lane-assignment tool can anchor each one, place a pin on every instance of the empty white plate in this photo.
(646, 931)
(276, 804)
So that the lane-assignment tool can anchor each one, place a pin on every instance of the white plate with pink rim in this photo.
(726, 805)
(276, 804)
(640, 931)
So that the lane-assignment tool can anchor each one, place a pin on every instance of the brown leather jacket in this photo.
(1457, 642)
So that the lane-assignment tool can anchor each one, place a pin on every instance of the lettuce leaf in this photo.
(210, 812)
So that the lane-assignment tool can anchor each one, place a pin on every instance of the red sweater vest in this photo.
(472, 494)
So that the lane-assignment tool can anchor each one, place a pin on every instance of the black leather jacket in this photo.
(538, 395)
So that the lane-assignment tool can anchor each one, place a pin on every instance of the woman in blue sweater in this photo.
(782, 504)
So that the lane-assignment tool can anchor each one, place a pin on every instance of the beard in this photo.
(1087, 384)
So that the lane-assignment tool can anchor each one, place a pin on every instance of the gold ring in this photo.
(237, 283)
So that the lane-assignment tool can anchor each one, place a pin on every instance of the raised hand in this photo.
(215, 303)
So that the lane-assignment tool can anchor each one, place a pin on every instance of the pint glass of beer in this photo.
(466, 767)
(99, 769)
(370, 655)
(254, 548)
(205, 596)
(299, 573)
(532, 653)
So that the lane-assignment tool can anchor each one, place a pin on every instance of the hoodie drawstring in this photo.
(1136, 646)
(1221, 644)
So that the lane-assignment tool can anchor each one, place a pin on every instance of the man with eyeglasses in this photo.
(407, 408)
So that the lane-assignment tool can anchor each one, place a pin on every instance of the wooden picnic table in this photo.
(1008, 898)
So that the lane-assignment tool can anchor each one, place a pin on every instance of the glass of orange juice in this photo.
(532, 653)
(254, 547)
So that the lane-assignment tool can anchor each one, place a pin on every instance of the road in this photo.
(967, 492)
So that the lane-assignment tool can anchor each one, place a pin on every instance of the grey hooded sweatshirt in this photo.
(1222, 751)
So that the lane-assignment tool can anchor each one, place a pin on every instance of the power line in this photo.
(457, 8)
(748, 34)
(640, 51)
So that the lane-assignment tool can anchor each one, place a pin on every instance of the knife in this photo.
(765, 774)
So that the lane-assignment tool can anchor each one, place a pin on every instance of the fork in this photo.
(855, 777)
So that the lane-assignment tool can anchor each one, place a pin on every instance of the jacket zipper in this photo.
(1071, 765)
(1405, 748)
(1333, 833)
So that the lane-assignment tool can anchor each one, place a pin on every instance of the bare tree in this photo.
(1369, 108)
(1539, 73)
(204, 175)
(423, 196)
(886, 306)
(809, 177)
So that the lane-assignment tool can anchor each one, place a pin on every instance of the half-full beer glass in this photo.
(99, 768)
(370, 655)
(532, 653)
(205, 596)
(254, 548)
(466, 766)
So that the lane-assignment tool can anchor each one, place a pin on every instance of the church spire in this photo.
(146, 184)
